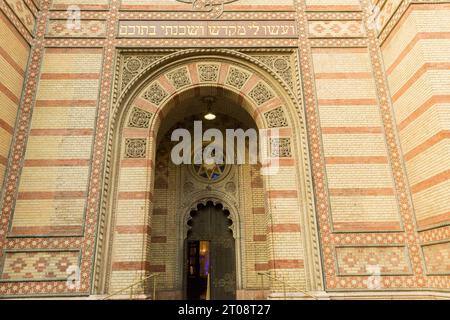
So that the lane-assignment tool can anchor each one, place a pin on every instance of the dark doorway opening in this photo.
(198, 270)
(210, 255)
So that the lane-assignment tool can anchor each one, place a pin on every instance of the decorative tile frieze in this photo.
(372, 261)
(336, 29)
(80, 29)
(38, 265)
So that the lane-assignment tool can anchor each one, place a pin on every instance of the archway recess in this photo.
(134, 127)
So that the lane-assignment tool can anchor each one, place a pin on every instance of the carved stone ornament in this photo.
(139, 118)
(237, 78)
(275, 118)
(281, 64)
(132, 65)
(261, 94)
(208, 72)
(281, 147)
(135, 148)
(155, 94)
(214, 8)
(179, 78)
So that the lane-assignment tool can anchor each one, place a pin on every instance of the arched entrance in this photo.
(288, 236)
(210, 255)
(179, 189)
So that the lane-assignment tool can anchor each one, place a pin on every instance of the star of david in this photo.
(211, 171)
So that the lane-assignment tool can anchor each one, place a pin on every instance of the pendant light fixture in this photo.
(209, 100)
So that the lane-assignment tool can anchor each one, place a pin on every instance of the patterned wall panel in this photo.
(86, 28)
(336, 29)
(437, 258)
(364, 260)
(24, 14)
(38, 265)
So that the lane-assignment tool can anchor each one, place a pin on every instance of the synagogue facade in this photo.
(351, 99)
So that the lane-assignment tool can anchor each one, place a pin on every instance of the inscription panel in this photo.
(207, 29)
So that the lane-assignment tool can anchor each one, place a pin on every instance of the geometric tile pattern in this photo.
(135, 148)
(280, 148)
(38, 265)
(437, 258)
(357, 260)
(155, 94)
(336, 29)
(86, 28)
(237, 77)
(179, 78)
(24, 14)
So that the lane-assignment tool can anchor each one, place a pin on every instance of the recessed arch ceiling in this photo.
(193, 109)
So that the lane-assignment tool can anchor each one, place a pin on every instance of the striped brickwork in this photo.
(357, 161)
(417, 59)
(83, 186)
(360, 180)
(14, 51)
(418, 70)
(255, 217)
(54, 180)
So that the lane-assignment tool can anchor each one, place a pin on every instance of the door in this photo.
(210, 250)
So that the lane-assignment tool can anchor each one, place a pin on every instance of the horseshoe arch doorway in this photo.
(210, 255)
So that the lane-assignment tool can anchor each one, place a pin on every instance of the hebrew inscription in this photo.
(207, 29)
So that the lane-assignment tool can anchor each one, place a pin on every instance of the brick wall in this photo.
(54, 180)
(417, 59)
(165, 246)
(14, 51)
(360, 180)
(53, 208)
